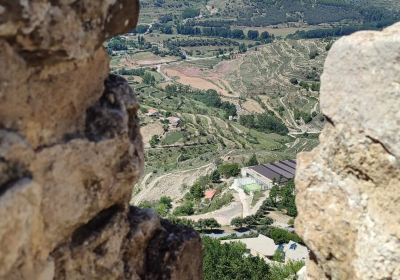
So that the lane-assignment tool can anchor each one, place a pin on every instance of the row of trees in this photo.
(194, 42)
(264, 122)
(339, 31)
(223, 32)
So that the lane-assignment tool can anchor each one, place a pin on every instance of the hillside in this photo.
(272, 12)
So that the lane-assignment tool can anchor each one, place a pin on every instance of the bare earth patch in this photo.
(149, 131)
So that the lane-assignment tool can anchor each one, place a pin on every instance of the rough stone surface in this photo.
(349, 186)
(71, 151)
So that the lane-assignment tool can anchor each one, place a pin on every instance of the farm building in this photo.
(174, 122)
(209, 194)
(265, 175)
(153, 113)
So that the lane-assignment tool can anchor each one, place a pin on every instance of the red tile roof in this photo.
(209, 193)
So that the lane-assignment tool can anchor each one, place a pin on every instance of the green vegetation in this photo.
(279, 235)
(285, 271)
(209, 97)
(230, 261)
(264, 122)
(229, 170)
(252, 161)
(206, 224)
(172, 137)
(218, 203)
(279, 256)
(283, 197)
(162, 207)
(185, 209)
(190, 13)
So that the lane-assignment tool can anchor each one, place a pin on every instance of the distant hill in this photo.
(272, 12)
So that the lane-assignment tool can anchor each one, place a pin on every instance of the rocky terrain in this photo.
(348, 187)
(71, 150)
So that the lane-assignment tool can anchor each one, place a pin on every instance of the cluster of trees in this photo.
(196, 191)
(252, 221)
(229, 170)
(206, 224)
(283, 197)
(162, 207)
(117, 44)
(154, 141)
(209, 97)
(252, 160)
(148, 78)
(141, 28)
(264, 122)
(223, 32)
(190, 13)
(186, 209)
(339, 31)
(279, 235)
(307, 117)
(132, 72)
(231, 261)
(211, 23)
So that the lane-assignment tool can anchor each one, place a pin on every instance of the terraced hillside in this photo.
(283, 77)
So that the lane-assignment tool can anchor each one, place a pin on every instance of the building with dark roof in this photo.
(267, 174)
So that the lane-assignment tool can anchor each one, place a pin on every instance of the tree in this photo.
(211, 223)
(313, 54)
(149, 79)
(279, 256)
(252, 161)
(253, 34)
(265, 36)
(237, 222)
(242, 48)
(215, 176)
(185, 209)
(237, 34)
(154, 141)
(196, 191)
(167, 201)
(142, 28)
(294, 81)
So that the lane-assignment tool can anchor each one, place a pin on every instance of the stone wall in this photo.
(71, 151)
(349, 186)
